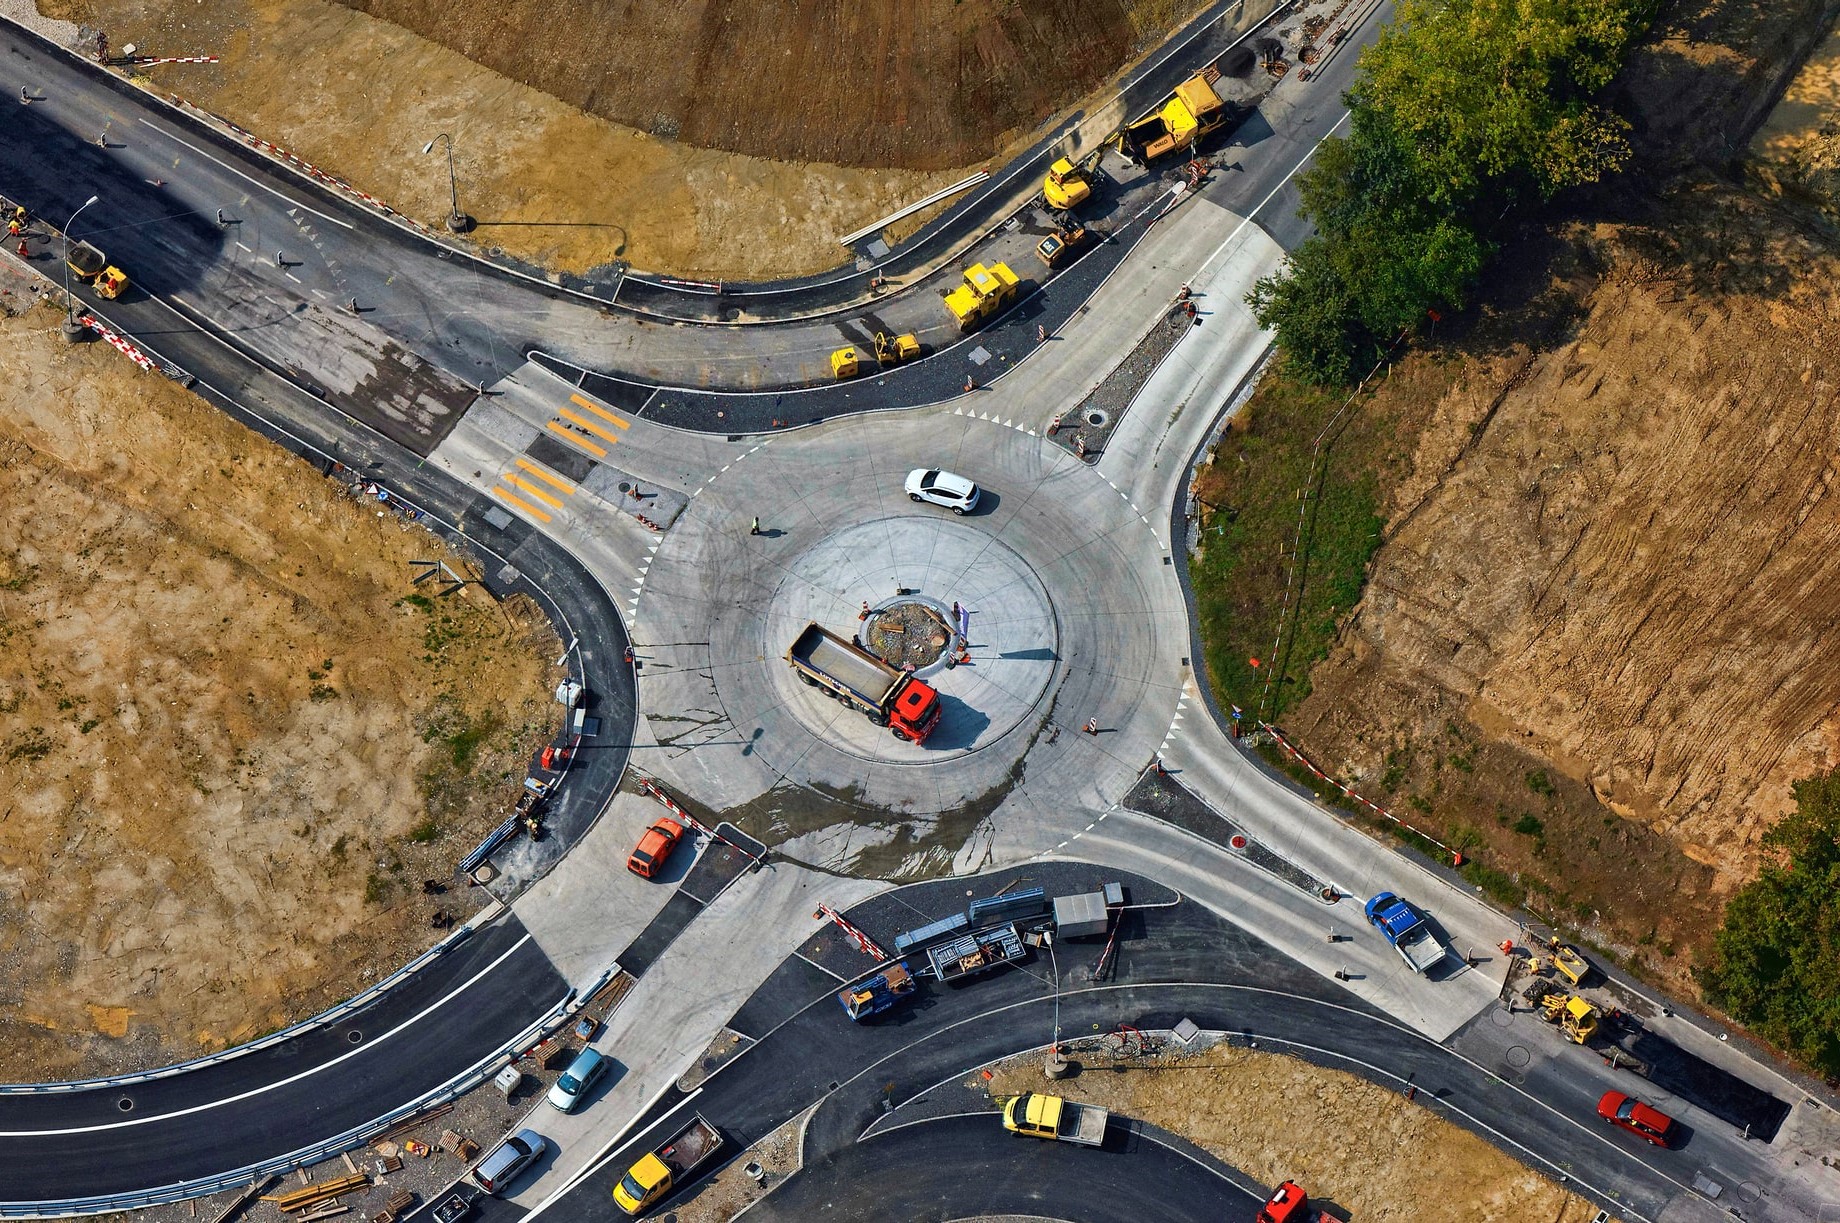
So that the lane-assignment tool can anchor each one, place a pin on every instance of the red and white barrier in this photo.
(118, 343)
(1456, 857)
(863, 942)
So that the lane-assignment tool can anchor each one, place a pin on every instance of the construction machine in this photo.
(848, 362)
(983, 295)
(1063, 244)
(92, 267)
(1577, 1019)
(1189, 114)
(1067, 185)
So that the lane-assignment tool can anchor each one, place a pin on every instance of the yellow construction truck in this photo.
(93, 268)
(1178, 124)
(983, 295)
(848, 362)
(1067, 185)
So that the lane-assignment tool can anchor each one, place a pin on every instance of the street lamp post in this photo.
(457, 221)
(71, 330)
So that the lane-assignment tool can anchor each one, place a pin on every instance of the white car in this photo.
(942, 488)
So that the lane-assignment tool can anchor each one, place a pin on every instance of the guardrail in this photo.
(482, 1070)
(353, 1003)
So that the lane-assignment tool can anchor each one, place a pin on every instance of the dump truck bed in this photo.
(692, 1145)
(86, 260)
(864, 674)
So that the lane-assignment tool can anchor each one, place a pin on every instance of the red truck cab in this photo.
(915, 711)
(1290, 1204)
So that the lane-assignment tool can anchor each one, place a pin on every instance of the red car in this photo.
(654, 847)
(1629, 1113)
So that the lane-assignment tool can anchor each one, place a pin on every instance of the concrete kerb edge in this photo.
(304, 1156)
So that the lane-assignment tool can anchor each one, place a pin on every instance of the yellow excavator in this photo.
(848, 362)
(1067, 185)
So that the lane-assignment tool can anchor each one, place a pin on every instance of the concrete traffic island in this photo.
(918, 575)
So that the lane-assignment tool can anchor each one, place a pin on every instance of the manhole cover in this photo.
(1518, 1056)
(907, 634)
(1097, 419)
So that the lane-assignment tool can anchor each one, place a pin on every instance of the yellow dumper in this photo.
(848, 362)
(1178, 124)
(983, 295)
(92, 267)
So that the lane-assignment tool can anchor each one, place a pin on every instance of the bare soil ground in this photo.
(1278, 1118)
(234, 740)
(1599, 642)
(921, 84)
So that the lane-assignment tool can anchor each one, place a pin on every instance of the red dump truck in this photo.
(906, 705)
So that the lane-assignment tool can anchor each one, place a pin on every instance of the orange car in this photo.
(655, 847)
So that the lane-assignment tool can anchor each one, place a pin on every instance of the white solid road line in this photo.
(258, 182)
(268, 1087)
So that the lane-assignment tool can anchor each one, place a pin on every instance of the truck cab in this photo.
(1041, 1116)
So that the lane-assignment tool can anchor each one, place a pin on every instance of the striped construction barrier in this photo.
(119, 344)
(1456, 856)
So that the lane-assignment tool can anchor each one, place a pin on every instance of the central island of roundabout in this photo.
(1050, 604)
(932, 597)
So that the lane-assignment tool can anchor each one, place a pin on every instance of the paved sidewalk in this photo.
(678, 1007)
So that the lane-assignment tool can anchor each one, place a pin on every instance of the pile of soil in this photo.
(237, 739)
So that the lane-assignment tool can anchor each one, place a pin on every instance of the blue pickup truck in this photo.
(1405, 928)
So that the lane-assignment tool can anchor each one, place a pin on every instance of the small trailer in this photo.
(974, 953)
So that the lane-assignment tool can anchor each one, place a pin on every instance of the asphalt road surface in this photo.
(968, 1167)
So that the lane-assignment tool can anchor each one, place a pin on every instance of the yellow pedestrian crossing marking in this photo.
(599, 411)
(584, 443)
(533, 490)
(528, 508)
(548, 478)
(589, 425)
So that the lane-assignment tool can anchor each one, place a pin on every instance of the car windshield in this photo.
(630, 1188)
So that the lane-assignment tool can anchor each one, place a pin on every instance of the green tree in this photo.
(1776, 959)
(1497, 93)
(1461, 109)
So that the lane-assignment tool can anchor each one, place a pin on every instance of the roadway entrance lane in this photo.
(265, 1104)
(967, 1167)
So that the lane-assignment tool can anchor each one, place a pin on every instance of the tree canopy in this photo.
(1462, 110)
(1776, 960)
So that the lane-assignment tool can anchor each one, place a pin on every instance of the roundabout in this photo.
(1065, 610)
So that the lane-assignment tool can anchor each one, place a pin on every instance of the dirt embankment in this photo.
(920, 84)
(235, 741)
(1279, 1118)
(1601, 638)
